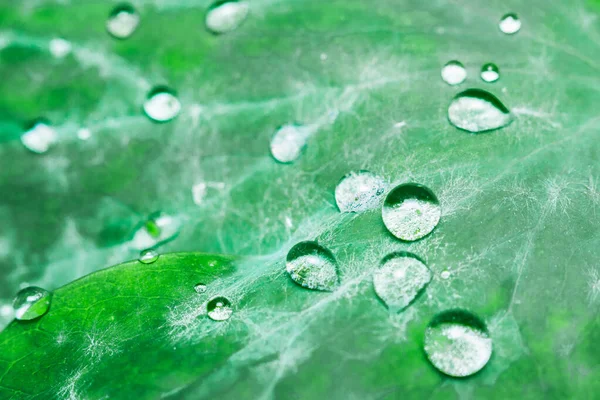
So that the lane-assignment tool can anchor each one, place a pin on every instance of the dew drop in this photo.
(476, 110)
(359, 191)
(454, 73)
(200, 288)
(39, 136)
(31, 303)
(445, 274)
(288, 142)
(312, 266)
(219, 308)
(226, 15)
(490, 72)
(510, 24)
(457, 343)
(122, 21)
(148, 256)
(159, 228)
(411, 211)
(401, 277)
(162, 104)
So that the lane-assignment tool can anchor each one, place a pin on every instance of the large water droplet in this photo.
(457, 343)
(454, 73)
(490, 72)
(122, 21)
(312, 266)
(411, 211)
(510, 24)
(226, 15)
(159, 228)
(162, 104)
(476, 110)
(148, 256)
(400, 279)
(31, 302)
(39, 137)
(288, 142)
(219, 308)
(359, 191)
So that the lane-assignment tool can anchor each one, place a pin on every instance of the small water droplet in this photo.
(359, 191)
(60, 48)
(454, 73)
(476, 110)
(31, 302)
(162, 104)
(148, 256)
(219, 308)
(445, 274)
(411, 211)
(510, 24)
(159, 228)
(226, 15)
(490, 72)
(39, 136)
(401, 277)
(312, 266)
(457, 343)
(122, 21)
(288, 142)
(200, 288)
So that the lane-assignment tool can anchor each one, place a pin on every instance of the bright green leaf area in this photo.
(520, 205)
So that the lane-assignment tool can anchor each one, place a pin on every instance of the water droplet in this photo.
(510, 24)
(159, 228)
(39, 136)
(200, 288)
(288, 142)
(401, 277)
(490, 72)
(122, 21)
(219, 308)
(60, 48)
(162, 104)
(226, 15)
(457, 343)
(476, 110)
(31, 302)
(454, 73)
(445, 274)
(312, 266)
(359, 191)
(411, 211)
(148, 256)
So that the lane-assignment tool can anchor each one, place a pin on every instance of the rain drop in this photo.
(445, 274)
(476, 110)
(490, 72)
(401, 277)
(457, 343)
(411, 211)
(31, 303)
(226, 15)
(122, 21)
(162, 104)
(454, 73)
(158, 229)
(359, 191)
(288, 142)
(39, 137)
(219, 308)
(312, 266)
(200, 288)
(148, 256)
(510, 24)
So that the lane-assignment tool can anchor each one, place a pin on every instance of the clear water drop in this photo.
(445, 274)
(359, 191)
(411, 211)
(510, 24)
(490, 72)
(454, 73)
(162, 104)
(219, 308)
(158, 229)
(476, 110)
(457, 343)
(312, 266)
(401, 277)
(226, 15)
(39, 137)
(288, 142)
(200, 288)
(31, 303)
(148, 256)
(122, 21)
